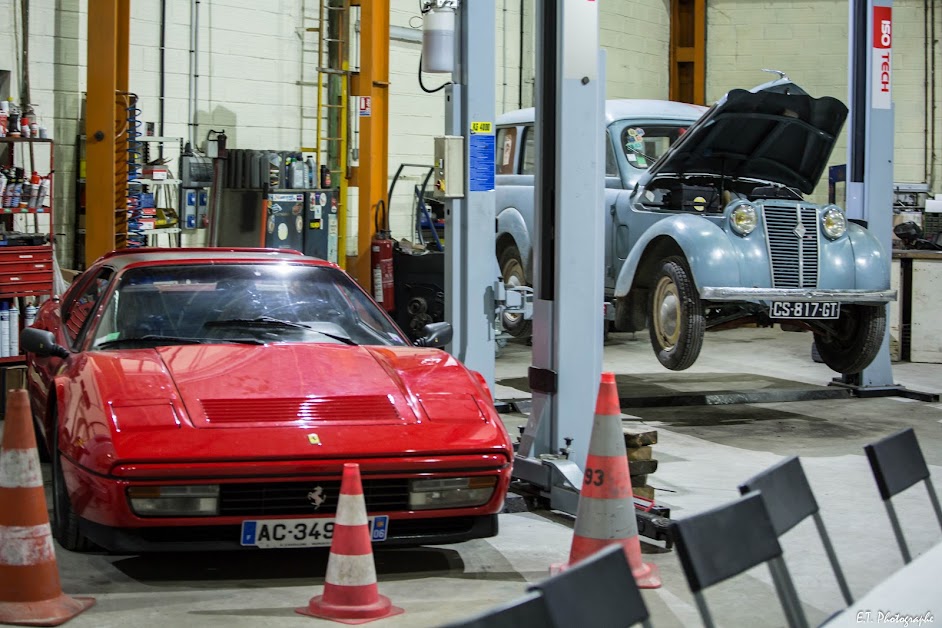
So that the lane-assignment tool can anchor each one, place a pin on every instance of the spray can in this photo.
(30, 315)
(34, 183)
(4, 330)
(43, 191)
(17, 193)
(14, 329)
(3, 186)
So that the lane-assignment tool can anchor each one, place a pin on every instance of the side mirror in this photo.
(435, 335)
(42, 343)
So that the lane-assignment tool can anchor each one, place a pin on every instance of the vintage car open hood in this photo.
(763, 134)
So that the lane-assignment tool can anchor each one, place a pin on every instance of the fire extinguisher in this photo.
(381, 260)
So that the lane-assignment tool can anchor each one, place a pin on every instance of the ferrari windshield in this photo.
(253, 303)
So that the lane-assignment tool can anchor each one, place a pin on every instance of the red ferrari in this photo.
(208, 398)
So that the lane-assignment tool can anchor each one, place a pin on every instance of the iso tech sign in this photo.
(881, 82)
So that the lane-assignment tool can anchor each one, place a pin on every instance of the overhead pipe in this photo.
(520, 59)
(162, 88)
(194, 70)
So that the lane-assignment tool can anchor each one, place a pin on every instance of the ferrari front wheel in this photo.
(65, 523)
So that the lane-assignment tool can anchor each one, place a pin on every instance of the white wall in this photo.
(809, 41)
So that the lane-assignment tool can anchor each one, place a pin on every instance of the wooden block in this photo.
(641, 467)
(640, 453)
(646, 492)
(635, 437)
(638, 480)
(14, 377)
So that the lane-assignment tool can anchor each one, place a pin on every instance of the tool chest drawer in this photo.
(25, 270)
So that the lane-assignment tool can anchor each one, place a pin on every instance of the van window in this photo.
(611, 165)
(506, 150)
(529, 151)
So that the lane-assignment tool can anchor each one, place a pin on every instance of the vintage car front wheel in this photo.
(676, 316)
(852, 344)
(65, 523)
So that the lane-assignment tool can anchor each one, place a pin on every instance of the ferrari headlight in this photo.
(833, 222)
(451, 492)
(743, 219)
(174, 501)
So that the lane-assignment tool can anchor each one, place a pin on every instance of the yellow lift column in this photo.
(372, 81)
(106, 221)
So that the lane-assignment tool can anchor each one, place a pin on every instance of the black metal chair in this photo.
(789, 501)
(598, 591)
(897, 464)
(721, 543)
(529, 611)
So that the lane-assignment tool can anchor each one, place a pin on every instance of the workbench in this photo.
(915, 330)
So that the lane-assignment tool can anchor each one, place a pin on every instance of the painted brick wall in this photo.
(255, 57)
(808, 40)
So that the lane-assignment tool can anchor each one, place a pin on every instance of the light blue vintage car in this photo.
(706, 226)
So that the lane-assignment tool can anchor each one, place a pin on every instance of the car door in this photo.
(613, 189)
(75, 316)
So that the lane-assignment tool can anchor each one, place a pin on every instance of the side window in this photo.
(611, 165)
(529, 151)
(79, 310)
(506, 150)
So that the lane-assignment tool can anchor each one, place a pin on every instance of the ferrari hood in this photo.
(778, 135)
(235, 386)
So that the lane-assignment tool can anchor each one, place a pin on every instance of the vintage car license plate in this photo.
(805, 309)
(302, 532)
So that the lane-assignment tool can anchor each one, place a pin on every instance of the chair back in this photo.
(598, 591)
(786, 492)
(897, 462)
(527, 612)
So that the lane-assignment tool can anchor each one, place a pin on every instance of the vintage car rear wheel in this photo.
(676, 316)
(855, 340)
(511, 270)
(65, 523)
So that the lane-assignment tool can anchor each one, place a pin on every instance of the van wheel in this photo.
(511, 271)
(676, 316)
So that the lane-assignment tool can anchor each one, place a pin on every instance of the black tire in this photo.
(856, 339)
(512, 273)
(675, 313)
(65, 523)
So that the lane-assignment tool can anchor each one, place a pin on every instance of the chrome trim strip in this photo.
(797, 294)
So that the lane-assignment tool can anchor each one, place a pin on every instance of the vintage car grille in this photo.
(793, 248)
(298, 498)
(375, 408)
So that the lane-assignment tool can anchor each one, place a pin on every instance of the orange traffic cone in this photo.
(350, 593)
(606, 513)
(30, 593)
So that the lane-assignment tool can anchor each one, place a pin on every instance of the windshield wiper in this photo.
(266, 321)
(177, 340)
(345, 340)
(150, 338)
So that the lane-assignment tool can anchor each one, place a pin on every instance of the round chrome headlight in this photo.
(833, 222)
(743, 219)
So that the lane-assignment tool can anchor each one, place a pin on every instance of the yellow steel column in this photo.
(373, 82)
(99, 129)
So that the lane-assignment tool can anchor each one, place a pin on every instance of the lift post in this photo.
(870, 163)
(470, 230)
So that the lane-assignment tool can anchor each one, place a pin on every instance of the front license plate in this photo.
(805, 309)
(302, 532)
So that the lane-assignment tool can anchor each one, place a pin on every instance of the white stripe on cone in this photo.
(19, 468)
(26, 545)
(351, 571)
(352, 513)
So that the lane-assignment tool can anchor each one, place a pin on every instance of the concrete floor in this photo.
(704, 453)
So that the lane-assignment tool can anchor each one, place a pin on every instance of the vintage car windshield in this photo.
(252, 303)
(645, 143)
